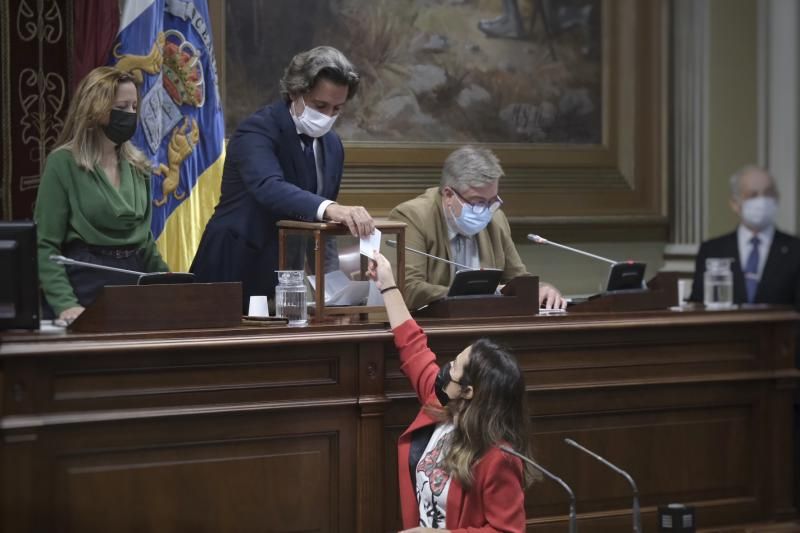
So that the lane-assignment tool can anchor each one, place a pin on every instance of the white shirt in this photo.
(433, 481)
(325, 203)
(745, 246)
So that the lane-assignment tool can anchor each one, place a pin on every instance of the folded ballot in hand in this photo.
(341, 290)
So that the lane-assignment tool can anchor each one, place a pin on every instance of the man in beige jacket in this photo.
(461, 221)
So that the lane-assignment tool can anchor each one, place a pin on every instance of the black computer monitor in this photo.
(626, 276)
(19, 276)
(472, 282)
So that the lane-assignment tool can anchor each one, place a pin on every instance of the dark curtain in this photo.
(96, 23)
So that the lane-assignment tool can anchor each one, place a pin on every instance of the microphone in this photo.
(61, 260)
(144, 278)
(573, 518)
(637, 515)
(625, 275)
(393, 244)
(541, 240)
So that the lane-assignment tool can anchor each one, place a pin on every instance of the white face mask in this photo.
(312, 122)
(759, 212)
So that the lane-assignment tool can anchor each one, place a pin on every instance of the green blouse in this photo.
(75, 204)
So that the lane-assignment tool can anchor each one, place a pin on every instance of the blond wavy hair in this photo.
(88, 110)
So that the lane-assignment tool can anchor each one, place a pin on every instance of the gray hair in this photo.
(470, 166)
(736, 178)
(325, 62)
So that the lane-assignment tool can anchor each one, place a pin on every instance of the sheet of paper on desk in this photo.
(371, 243)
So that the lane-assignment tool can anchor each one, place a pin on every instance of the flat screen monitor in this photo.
(471, 282)
(626, 276)
(19, 276)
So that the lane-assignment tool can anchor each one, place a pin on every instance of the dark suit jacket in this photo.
(265, 179)
(780, 281)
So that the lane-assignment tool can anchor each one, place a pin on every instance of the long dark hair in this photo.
(496, 413)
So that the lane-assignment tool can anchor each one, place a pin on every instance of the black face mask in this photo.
(121, 126)
(442, 380)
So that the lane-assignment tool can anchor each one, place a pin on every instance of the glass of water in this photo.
(290, 297)
(718, 283)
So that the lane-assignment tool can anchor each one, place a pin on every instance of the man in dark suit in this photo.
(283, 162)
(766, 266)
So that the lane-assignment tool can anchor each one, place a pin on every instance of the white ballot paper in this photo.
(371, 243)
(341, 290)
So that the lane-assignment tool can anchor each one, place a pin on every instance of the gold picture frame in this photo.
(614, 190)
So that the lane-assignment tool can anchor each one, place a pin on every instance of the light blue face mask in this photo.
(470, 223)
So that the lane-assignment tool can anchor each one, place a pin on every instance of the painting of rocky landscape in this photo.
(433, 71)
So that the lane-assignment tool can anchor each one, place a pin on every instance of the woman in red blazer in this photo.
(452, 474)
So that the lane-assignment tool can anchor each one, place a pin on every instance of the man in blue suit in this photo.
(283, 162)
(766, 266)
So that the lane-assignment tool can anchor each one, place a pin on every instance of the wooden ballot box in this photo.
(320, 232)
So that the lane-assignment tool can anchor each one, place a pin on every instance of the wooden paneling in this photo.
(245, 472)
(241, 485)
(296, 430)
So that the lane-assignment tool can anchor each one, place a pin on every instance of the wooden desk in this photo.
(294, 429)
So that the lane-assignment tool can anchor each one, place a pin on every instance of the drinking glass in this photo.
(718, 283)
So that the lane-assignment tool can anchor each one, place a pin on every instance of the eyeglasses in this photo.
(481, 205)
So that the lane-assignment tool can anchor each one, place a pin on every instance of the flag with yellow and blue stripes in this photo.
(167, 46)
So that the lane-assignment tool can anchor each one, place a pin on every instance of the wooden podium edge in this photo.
(128, 308)
(520, 297)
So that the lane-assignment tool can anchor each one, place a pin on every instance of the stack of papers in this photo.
(545, 312)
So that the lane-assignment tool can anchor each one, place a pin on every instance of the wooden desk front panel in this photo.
(297, 431)
(254, 438)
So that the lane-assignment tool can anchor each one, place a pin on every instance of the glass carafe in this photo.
(718, 283)
(290, 297)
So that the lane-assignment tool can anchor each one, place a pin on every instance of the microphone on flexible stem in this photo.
(541, 240)
(144, 278)
(61, 260)
(637, 515)
(573, 517)
(393, 244)
(623, 275)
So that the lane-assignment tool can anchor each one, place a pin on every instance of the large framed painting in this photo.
(569, 94)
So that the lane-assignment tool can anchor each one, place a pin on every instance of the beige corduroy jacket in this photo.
(427, 279)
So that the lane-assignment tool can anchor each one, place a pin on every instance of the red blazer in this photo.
(496, 501)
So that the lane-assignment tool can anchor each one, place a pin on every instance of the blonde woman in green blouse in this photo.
(94, 201)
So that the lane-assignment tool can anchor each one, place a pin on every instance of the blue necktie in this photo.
(311, 162)
(751, 270)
